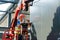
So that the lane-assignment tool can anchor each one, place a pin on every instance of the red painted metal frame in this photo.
(15, 21)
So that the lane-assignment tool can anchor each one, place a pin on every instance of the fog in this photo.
(42, 14)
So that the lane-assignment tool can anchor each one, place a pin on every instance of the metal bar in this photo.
(9, 19)
(3, 16)
(10, 1)
(2, 3)
(7, 12)
(9, 15)
(3, 11)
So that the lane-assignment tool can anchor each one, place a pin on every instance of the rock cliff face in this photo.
(55, 33)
